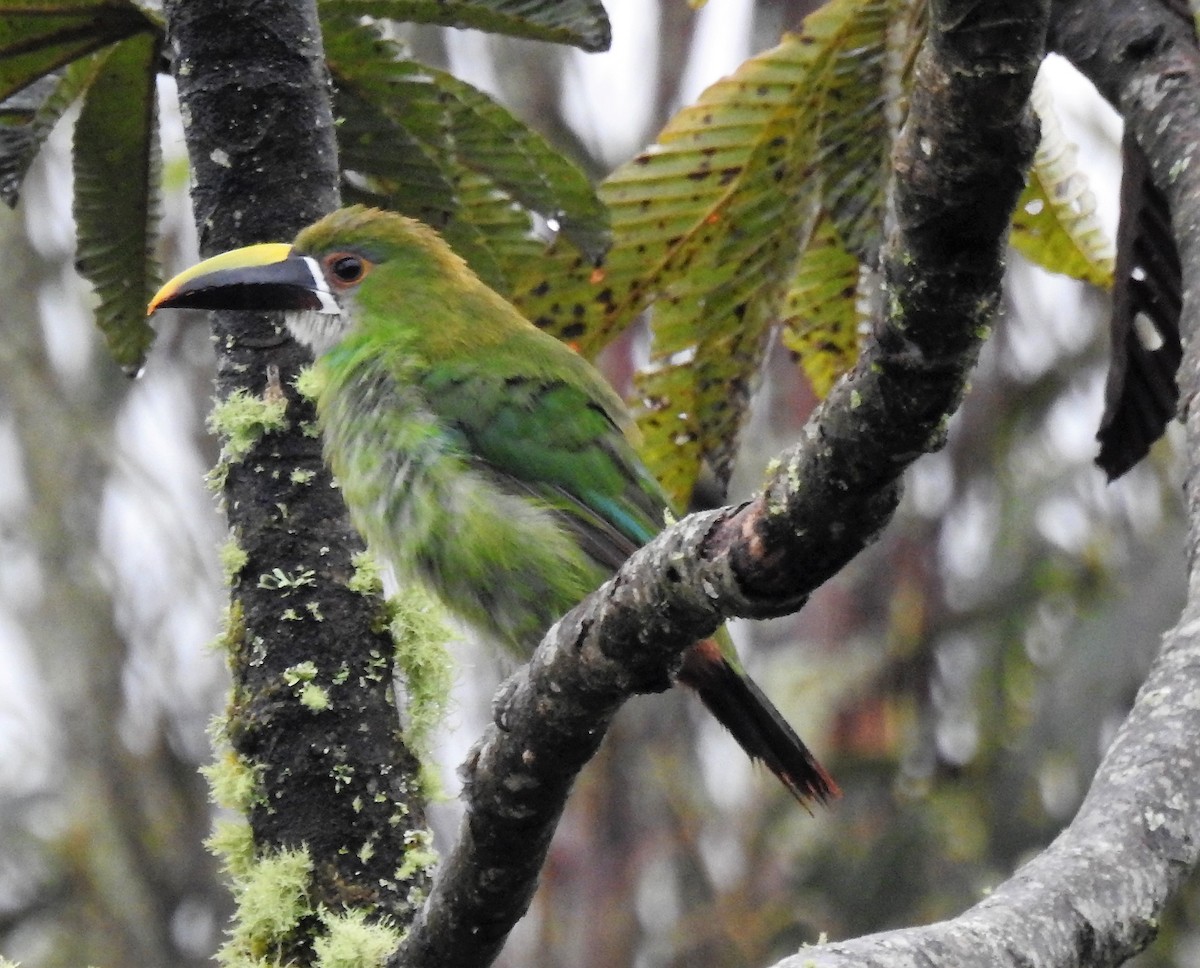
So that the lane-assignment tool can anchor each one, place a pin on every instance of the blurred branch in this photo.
(960, 165)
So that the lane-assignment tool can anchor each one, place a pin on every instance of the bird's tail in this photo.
(759, 728)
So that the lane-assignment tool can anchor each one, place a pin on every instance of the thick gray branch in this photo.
(960, 166)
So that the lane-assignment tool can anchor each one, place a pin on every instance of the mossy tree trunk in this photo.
(317, 763)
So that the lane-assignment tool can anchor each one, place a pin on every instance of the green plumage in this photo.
(474, 451)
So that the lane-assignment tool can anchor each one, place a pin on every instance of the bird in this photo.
(476, 453)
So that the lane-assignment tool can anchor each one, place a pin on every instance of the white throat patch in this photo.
(319, 329)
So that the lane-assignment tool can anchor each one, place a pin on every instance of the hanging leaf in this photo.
(27, 118)
(421, 135)
(1141, 395)
(1055, 224)
(581, 23)
(406, 173)
(710, 326)
(821, 316)
(116, 160)
(37, 38)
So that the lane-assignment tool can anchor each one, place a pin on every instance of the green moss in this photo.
(310, 382)
(351, 941)
(233, 558)
(314, 697)
(271, 898)
(233, 781)
(301, 476)
(242, 418)
(233, 842)
(233, 629)
(367, 578)
(421, 636)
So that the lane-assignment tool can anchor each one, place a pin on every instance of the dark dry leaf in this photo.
(1141, 394)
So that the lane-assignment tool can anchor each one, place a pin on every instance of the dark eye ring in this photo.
(347, 268)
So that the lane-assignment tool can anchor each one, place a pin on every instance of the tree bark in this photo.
(336, 779)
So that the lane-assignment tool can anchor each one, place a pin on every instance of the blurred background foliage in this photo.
(961, 678)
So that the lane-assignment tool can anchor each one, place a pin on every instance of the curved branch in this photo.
(960, 165)
(1095, 895)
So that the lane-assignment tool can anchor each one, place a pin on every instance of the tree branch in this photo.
(1094, 896)
(960, 165)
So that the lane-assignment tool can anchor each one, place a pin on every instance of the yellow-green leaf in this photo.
(821, 316)
(1055, 223)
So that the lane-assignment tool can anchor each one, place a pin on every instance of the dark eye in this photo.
(346, 268)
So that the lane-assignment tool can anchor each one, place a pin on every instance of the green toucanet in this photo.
(475, 452)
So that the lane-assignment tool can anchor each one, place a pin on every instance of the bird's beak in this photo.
(269, 276)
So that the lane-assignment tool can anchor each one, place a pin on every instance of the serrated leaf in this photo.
(422, 134)
(707, 225)
(859, 113)
(1055, 224)
(30, 115)
(711, 326)
(38, 37)
(821, 317)
(581, 23)
(405, 171)
(116, 164)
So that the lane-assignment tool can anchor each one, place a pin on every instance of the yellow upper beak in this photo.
(225, 281)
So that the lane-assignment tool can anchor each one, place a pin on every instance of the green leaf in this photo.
(423, 138)
(1055, 224)
(581, 23)
(27, 118)
(38, 37)
(116, 194)
(821, 317)
(402, 171)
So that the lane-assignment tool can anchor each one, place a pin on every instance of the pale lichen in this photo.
(419, 855)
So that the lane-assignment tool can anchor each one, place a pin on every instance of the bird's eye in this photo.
(346, 268)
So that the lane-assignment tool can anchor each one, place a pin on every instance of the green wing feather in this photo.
(557, 440)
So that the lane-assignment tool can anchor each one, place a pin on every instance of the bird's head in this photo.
(320, 279)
